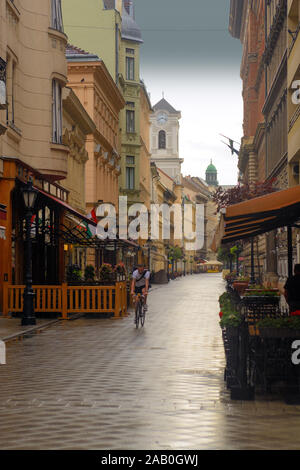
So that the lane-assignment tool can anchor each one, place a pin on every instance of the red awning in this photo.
(67, 207)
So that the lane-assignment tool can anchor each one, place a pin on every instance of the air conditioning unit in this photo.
(296, 170)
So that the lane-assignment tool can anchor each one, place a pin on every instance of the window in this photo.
(130, 124)
(2, 82)
(130, 160)
(162, 140)
(56, 112)
(130, 177)
(56, 15)
(10, 91)
(130, 51)
(129, 68)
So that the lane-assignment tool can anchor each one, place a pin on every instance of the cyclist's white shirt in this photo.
(137, 275)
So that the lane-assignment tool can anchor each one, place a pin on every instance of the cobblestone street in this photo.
(101, 384)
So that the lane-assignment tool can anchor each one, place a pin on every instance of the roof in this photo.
(130, 29)
(211, 168)
(164, 105)
(164, 173)
(75, 53)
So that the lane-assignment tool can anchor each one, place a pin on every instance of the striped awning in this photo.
(260, 215)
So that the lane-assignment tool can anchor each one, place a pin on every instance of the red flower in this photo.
(296, 313)
(221, 314)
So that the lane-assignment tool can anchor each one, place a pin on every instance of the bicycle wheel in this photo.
(137, 314)
(142, 314)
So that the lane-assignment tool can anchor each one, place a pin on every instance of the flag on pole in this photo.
(90, 229)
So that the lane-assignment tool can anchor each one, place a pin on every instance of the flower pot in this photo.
(240, 286)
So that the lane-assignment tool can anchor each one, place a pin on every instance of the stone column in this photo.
(272, 274)
(252, 167)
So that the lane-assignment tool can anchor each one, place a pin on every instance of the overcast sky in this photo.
(189, 55)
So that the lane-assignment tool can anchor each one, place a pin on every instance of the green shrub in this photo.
(89, 273)
(286, 322)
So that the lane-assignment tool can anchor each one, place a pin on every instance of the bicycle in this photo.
(140, 311)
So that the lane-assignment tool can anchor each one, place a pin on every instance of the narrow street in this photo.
(101, 384)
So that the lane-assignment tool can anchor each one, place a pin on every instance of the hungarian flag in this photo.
(93, 216)
(90, 229)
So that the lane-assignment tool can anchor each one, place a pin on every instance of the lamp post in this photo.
(237, 253)
(184, 266)
(29, 195)
(191, 261)
(147, 247)
(171, 259)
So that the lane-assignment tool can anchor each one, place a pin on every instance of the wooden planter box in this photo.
(240, 286)
(269, 332)
(261, 299)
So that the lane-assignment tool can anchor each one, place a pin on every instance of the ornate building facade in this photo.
(165, 139)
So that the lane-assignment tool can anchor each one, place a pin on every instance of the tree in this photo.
(224, 198)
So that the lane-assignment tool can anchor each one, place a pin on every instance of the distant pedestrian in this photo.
(292, 290)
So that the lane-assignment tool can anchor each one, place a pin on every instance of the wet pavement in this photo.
(102, 384)
(11, 328)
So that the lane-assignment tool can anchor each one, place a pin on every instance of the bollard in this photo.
(2, 353)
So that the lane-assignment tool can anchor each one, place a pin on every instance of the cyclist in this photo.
(140, 282)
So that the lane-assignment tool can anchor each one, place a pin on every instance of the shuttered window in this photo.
(56, 112)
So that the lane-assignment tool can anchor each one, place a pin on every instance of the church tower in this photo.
(164, 139)
(211, 175)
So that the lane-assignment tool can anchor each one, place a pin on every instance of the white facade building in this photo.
(164, 139)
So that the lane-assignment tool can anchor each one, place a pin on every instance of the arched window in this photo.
(162, 140)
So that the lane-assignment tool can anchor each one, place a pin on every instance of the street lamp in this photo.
(147, 246)
(191, 261)
(170, 253)
(184, 264)
(29, 195)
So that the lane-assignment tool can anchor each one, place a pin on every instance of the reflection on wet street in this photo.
(101, 384)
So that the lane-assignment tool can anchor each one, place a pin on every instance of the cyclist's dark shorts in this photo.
(139, 290)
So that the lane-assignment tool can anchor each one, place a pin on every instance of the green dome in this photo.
(211, 169)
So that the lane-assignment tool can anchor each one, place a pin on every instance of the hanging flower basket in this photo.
(106, 273)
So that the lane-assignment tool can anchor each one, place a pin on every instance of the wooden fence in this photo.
(67, 300)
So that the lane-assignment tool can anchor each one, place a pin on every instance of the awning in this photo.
(260, 215)
(66, 206)
(213, 263)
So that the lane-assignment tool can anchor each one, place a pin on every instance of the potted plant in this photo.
(106, 272)
(231, 319)
(241, 284)
(261, 295)
(120, 271)
(287, 327)
(89, 273)
(73, 273)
